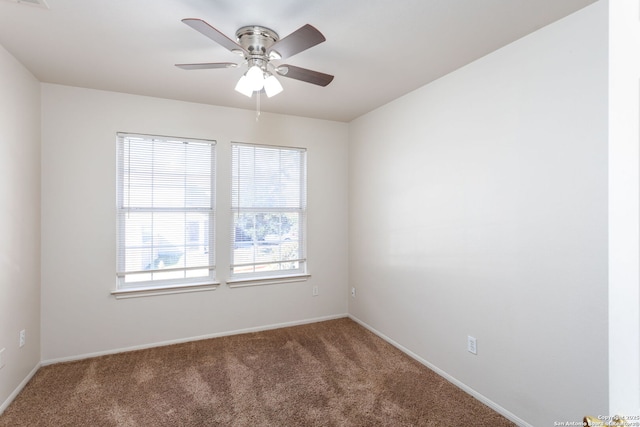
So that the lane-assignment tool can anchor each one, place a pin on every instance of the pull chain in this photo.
(258, 105)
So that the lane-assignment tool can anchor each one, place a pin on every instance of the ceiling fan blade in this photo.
(207, 65)
(309, 76)
(215, 35)
(301, 39)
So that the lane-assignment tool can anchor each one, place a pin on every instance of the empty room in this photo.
(417, 213)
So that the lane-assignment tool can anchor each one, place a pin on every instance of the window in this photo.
(165, 211)
(268, 206)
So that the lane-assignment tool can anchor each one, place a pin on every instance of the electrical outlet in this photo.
(1, 358)
(23, 337)
(353, 292)
(314, 290)
(472, 345)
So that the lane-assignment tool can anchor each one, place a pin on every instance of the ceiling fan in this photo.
(259, 46)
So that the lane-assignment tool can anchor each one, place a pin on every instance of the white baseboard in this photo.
(499, 409)
(196, 338)
(18, 389)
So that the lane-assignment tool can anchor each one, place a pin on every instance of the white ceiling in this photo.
(378, 50)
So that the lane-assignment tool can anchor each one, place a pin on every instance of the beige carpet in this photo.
(333, 373)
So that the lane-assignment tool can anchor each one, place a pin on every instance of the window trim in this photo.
(266, 280)
(278, 276)
(164, 290)
(166, 286)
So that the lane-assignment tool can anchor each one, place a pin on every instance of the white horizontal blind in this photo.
(165, 211)
(269, 210)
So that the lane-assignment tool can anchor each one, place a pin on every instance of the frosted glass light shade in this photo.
(256, 78)
(244, 86)
(272, 86)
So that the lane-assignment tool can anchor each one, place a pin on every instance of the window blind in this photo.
(269, 210)
(165, 210)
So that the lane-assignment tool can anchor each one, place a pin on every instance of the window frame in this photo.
(163, 286)
(277, 276)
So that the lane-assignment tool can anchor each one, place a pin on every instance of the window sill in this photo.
(164, 290)
(259, 281)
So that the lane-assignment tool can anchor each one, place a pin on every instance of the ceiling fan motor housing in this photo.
(257, 40)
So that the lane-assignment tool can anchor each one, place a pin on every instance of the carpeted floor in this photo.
(333, 373)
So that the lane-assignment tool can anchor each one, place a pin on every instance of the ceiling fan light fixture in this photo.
(255, 75)
(272, 86)
(244, 86)
(259, 45)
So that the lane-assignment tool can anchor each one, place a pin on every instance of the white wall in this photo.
(478, 206)
(19, 223)
(624, 208)
(79, 315)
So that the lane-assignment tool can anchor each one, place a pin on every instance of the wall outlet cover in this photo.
(472, 345)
